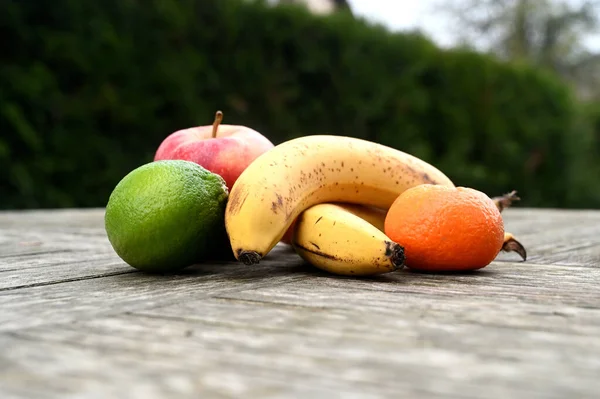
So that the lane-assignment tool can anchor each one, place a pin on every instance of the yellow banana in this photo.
(349, 239)
(277, 186)
(373, 215)
(339, 239)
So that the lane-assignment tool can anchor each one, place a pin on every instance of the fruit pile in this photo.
(346, 205)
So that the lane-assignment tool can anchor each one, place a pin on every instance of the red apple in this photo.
(223, 149)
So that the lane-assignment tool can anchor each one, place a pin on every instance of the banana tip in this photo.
(249, 257)
(512, 245)
(396, 253)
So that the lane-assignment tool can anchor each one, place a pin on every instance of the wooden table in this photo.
(75, 321)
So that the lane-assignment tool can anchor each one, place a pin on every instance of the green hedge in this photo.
(593, 116)
(586, 158)
(90, 89)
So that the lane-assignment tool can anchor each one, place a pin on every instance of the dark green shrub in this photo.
(583, 189)
(90, 89)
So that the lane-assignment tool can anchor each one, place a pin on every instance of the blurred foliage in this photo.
(591, 118)
(90, 89)
(593, 113)
(549, 34)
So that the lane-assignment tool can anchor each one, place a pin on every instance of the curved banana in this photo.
(349, 239)
(278, 185)
(320, 231)
(375, 216)
(339, 239)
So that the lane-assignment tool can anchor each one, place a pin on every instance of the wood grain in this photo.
(78, 322)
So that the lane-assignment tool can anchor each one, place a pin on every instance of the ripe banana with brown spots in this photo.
(346, 239)
(349, 239)
(297, 174)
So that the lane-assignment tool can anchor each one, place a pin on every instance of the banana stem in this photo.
(512, 245)
(504, 201)
(216, 123)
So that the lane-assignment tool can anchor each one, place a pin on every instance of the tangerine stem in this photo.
(216, 123)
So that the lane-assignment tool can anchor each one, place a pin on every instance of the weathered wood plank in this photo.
(65, 301)
(69, 253)
(531, 220)
(33, 242)
(56, 267)
(74, 317)
(44, 247)
(537, 283)
(410, 347)
(521, 282)
(548, 232)
(54, 251)
(52, 218)
(56, 257)
(114, 369)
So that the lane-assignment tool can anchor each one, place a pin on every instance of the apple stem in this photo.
(218, 119)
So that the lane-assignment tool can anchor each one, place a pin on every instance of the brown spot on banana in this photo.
(277, 206)
(236, 200)
(423, 177)
(323, 254)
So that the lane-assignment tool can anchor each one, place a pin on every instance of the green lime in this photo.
(167, 215)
